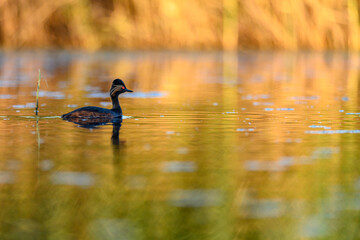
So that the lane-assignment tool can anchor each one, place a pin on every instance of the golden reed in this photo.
(178, 24)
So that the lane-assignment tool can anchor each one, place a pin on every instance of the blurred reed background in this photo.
(178, 24)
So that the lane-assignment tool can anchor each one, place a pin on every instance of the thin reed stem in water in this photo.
(37, 95)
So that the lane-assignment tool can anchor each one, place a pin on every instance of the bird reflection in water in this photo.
(93, 123)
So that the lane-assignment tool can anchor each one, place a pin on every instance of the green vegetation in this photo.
(37, 95)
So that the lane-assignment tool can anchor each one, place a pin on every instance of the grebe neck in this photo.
(115, 103)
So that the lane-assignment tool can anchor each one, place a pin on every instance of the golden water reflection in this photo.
(213, 146)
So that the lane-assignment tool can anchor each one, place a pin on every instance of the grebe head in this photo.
(118, 87)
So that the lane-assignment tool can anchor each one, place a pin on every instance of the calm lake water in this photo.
(212, 146)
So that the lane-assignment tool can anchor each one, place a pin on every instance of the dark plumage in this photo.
(106, 115)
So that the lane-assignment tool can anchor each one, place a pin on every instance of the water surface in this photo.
(213, 146)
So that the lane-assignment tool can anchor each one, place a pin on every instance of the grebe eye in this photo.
(122, 87)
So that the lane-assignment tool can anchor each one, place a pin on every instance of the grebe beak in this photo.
(128, 90)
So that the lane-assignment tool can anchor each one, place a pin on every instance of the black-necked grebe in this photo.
(117, 87)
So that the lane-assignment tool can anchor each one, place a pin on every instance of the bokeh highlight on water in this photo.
(212, 146)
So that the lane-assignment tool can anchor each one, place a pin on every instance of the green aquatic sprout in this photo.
(37, 95)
